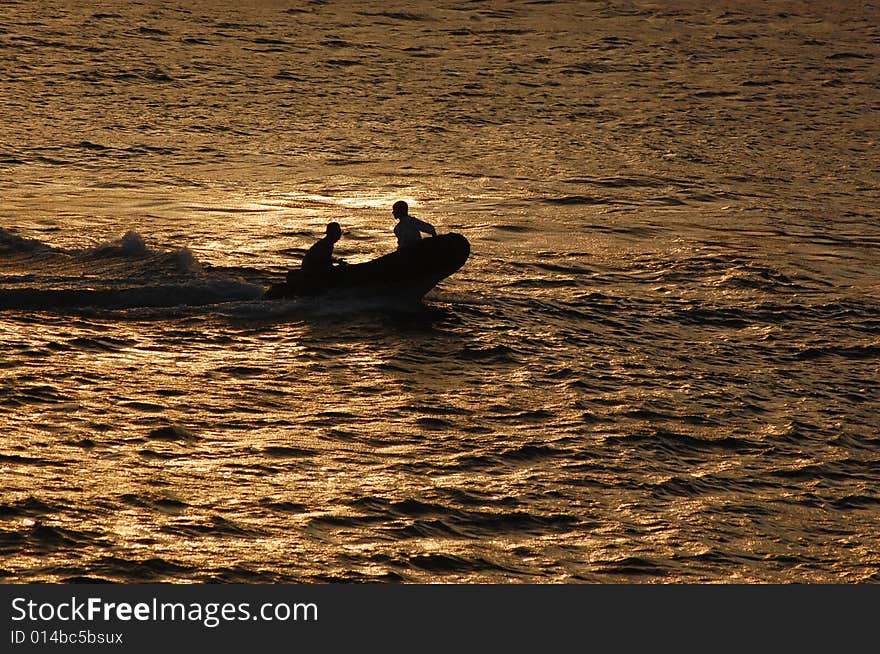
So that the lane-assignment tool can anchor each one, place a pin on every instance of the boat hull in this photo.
(404, 275)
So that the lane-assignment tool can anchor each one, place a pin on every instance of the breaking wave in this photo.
(123, 274)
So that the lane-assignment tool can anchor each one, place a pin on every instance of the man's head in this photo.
(400, 209)
(334, 231)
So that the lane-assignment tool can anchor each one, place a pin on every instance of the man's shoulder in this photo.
(318, 248)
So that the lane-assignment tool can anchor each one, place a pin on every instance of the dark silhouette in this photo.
(402, 276)
(317, 270)
(408, 228)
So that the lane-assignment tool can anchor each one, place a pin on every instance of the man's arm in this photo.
(424, 227)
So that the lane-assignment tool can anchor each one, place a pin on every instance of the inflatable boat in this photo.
(404, 275)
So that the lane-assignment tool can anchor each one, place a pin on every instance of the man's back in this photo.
(317, 266)
(408, 231)
(319, 258)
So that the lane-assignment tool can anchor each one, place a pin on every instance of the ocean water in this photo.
(659, 364)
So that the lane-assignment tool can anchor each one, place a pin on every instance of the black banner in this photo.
(156, 617)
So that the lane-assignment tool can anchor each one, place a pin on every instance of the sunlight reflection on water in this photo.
(659, 363)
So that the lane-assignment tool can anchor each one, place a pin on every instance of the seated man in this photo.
(317, 265)
(408, 228)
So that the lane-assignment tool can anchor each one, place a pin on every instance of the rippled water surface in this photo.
(660, 363)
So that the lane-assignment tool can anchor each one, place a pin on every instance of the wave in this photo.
(165, 295)
(131, 244)
(122, 274)
(12, 243)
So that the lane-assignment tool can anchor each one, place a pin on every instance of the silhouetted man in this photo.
(317, 265)
(408, 228)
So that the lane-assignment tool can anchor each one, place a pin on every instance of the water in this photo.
(660, 363)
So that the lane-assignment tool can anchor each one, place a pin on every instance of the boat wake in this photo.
(130, 279)
(124, 274)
